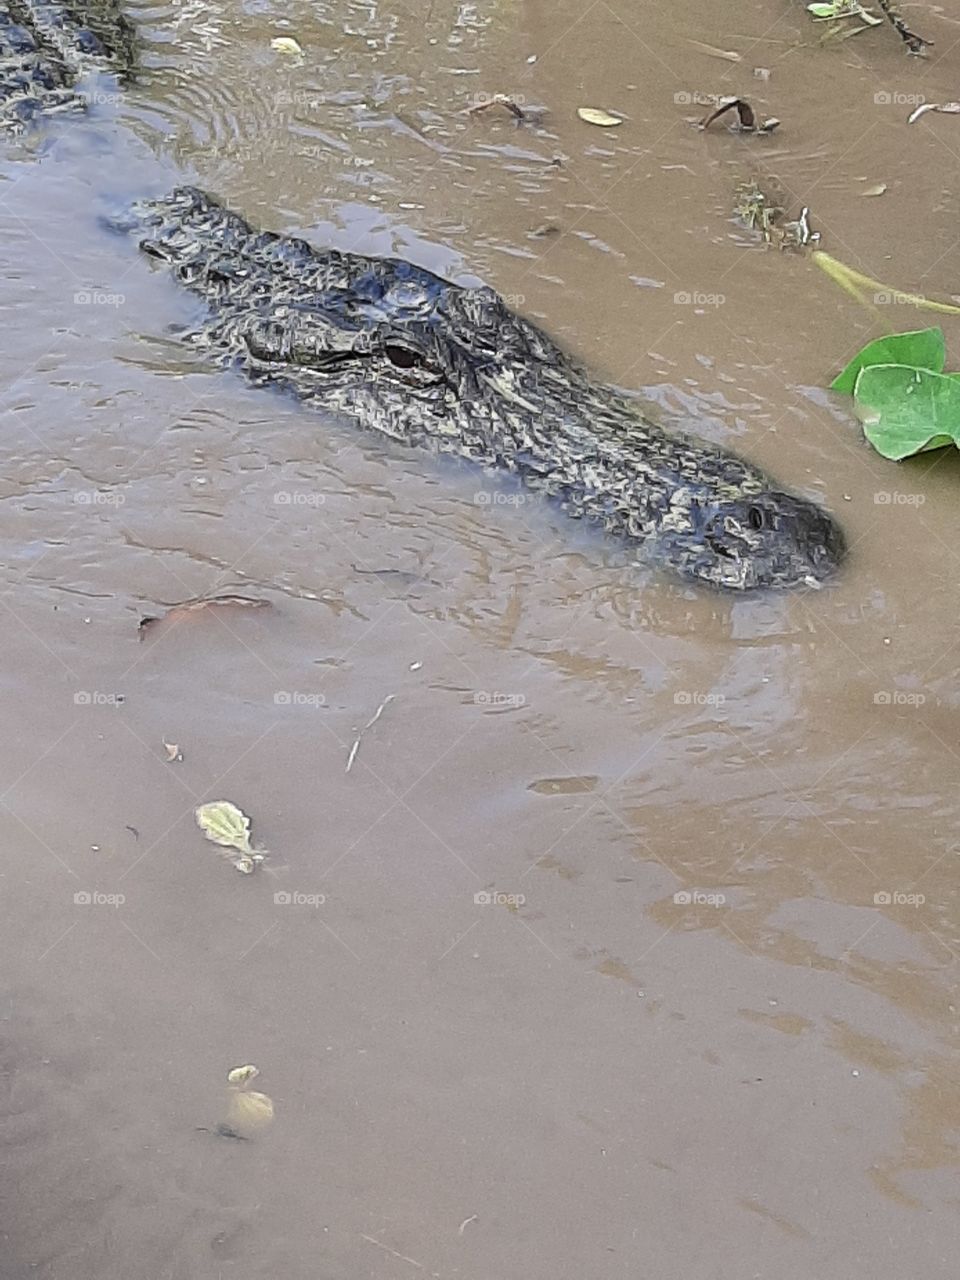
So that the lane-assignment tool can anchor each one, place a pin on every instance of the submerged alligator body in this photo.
(48, 48)
(433, 364)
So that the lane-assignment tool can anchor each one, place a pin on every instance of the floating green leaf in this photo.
(241, 1076)
(247, 1110)
(906, 410)
(844, 9)
(225, 824)
(921, 348)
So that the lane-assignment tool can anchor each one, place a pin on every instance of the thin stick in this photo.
(393, 1253)
(372, 721)
(854, 281)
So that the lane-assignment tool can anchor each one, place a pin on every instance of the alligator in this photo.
(49, 47)
(430, 363)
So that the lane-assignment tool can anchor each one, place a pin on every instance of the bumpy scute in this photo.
(49, 48)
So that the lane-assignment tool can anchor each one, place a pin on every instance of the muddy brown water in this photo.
(585, 1072)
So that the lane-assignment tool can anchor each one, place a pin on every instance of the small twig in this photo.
(372, 721)
(379, 711)
(393, 1253)
(497, 100)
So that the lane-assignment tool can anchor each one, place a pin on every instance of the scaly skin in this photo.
(429, 363)
(47, 48)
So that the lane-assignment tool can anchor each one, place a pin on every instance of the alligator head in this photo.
(427, 362)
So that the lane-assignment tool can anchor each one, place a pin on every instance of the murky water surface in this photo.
(701, 1020)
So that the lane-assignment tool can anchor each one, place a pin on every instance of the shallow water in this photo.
(585, 1074)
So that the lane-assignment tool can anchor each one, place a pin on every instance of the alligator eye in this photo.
(755, 516)
(720, 549)
(402, 357)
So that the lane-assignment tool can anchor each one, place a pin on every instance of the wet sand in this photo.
(628, 943)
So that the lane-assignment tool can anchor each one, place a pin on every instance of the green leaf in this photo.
(225, 824)
(922, 348)
(241, 1076)
(905, 410)
(823, 10)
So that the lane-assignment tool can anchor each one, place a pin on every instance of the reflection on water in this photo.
(740, 810)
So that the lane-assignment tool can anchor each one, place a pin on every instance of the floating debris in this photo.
(945, 108)
(248, 1112)
(877, 190)
(370, 723)
(173, 751)
(227, 599)
(914, 43)
(226, 825)
(401, 1257)
(285, 44)
(838, 9)
(746, 117)
(597, 116)
(379, 711)
(856, 283)
(497, 100)
(761, 213)
(797, 233)
(757, 210)
(728, 55)
(564, 786)
(241, 1076)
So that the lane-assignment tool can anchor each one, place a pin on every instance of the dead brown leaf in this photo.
(497, 100)
(746, 116)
